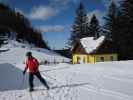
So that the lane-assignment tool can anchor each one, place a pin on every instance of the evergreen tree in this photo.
(17, 23)
(79, 29)
(111, 21)
(111, 27)
(94, 28)
(126, 30)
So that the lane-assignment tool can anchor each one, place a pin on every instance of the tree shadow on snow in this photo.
(12, 78)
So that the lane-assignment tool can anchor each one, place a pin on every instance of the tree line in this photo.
(117, 27)
(12, 22)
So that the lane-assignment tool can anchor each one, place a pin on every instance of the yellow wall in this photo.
(107, 57)
(93, 58)
(76, 56)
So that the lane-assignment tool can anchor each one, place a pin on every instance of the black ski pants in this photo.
(38, 75)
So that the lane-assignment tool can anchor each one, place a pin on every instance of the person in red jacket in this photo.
(32, 65)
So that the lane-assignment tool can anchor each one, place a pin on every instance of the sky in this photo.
(55, 17)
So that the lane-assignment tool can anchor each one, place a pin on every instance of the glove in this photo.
(24, 72)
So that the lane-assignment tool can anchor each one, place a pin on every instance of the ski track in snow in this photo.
(94, 91)
(102, 81)
(38, 95)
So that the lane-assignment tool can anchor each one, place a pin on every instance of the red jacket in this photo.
(32, 65)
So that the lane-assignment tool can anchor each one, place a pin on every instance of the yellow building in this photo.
(90, 50)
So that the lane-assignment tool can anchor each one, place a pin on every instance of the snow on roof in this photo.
(90, 44)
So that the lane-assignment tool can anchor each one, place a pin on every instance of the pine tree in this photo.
(126, 28)
(94, 28)
(111, 27)
(111, 21)
(79, 29)
(17, 23)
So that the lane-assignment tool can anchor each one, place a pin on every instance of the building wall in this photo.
(91, 59)
(82, 58)
(77, 57)
(106, 57)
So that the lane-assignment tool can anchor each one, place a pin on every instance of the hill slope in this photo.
(15, 52)
(101, 81)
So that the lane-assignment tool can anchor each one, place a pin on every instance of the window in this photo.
(102, 59)
(84, 60)
(111, 58)
(78, 60)
(88, 60)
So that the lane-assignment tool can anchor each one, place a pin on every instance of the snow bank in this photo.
(10, 77)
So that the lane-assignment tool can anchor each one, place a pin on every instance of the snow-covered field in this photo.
(101, 81)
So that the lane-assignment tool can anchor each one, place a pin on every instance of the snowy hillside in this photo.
(101, 81)
(16, 52)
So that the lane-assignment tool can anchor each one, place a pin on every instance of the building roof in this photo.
(90, 44)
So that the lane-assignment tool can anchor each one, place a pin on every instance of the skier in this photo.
(32, 65)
